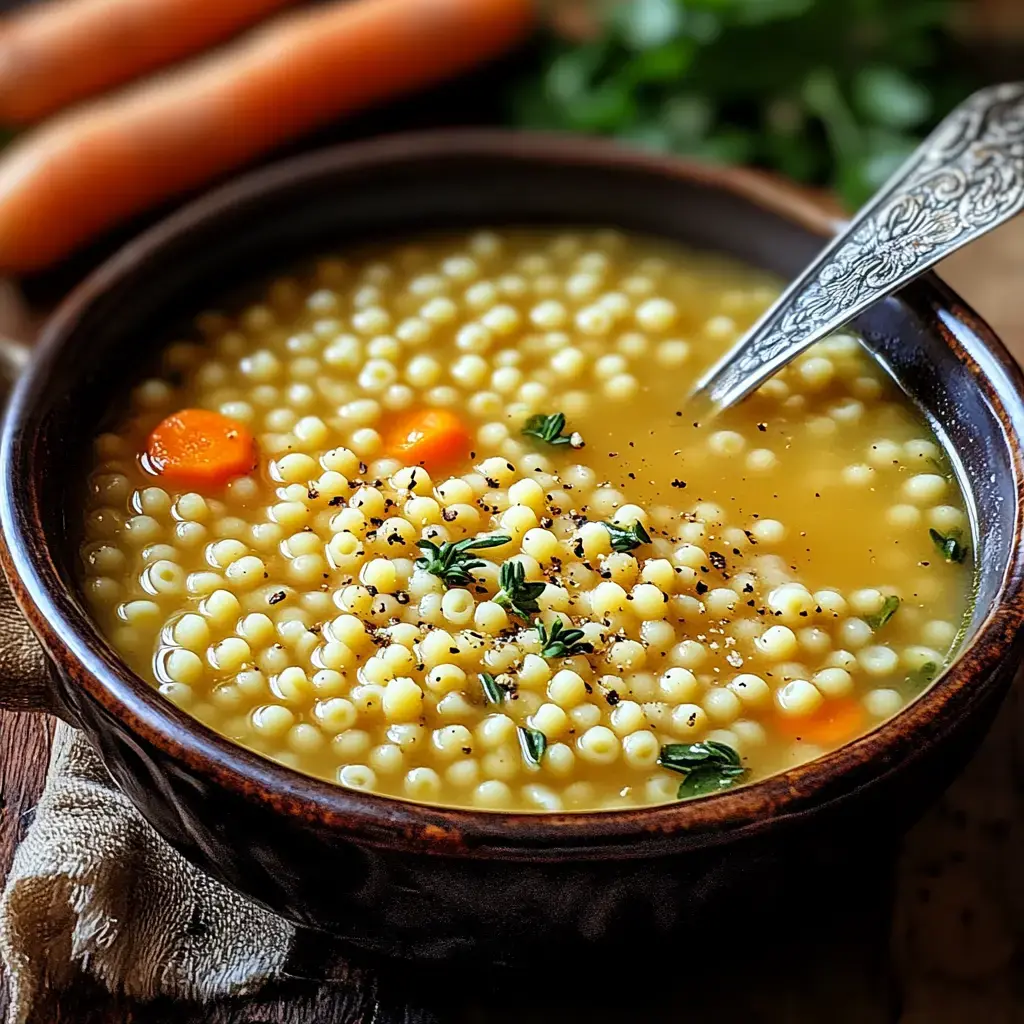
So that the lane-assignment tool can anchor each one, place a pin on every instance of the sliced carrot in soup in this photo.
(201, 449)
(833, 724)
(433, 438)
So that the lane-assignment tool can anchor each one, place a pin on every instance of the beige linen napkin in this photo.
(94, 888)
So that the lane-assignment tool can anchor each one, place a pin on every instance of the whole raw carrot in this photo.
(55, 53)
(113, 157)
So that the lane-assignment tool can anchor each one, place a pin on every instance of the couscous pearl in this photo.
(621, 388)
(798, 698)
(816, 372)
(925, 488)
(921, 450)
(768, 531)
(946, 518)
(656, 315)
(858, 475)
(493, 795)
(761, 460)
(183, 666)
(722, 705)
(883, 703)
(833, 682)
(272, 720)
(726, 443)
(551, 720)
(884, 453)
(688, 721)
(854, 633)
(878, 661)
(777, 643)
(918, 658)
(939, 634)
(903, 517)
(751, 690)
(566, 689)
(357, 776)
(598, 745)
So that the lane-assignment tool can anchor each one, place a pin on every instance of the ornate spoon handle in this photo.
(964, 180)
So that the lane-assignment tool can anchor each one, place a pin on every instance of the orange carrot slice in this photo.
(433, 438)
(201, 449)
(835, 722)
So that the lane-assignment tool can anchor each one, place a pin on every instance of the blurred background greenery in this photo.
(832, 93)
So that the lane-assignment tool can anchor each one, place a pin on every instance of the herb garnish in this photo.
(814, 89)
(548, 429)
(707, 766)
(561, 642)
(949, 545)
(494, 692)
(626, 538)
(451, 562)
(533, 744)
(884, 614)
(516, 594)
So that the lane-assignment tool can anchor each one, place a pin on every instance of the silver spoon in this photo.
(963, 181)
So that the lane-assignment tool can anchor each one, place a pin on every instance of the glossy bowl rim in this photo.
(67, 632)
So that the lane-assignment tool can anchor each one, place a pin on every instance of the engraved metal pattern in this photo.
(966, 178)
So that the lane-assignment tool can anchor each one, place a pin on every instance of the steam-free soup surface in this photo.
(668, 608)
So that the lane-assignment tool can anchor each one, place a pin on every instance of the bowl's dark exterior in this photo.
(428, 882)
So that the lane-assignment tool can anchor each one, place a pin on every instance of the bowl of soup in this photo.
(363, 514)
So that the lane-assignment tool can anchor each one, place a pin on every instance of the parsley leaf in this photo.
(494, 692)
(706, 767)
(884, 614)
(949, 545)
(533, 743)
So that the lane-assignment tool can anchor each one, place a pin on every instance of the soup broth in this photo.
(453, 535)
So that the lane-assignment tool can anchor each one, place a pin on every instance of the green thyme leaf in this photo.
(949, 545)
(494, 692)
(452, 563)
(533, 743)
(547, 428)
(516, 594)
(627, 538)
(702, 781)
(684, 757)
(706, 767)
(560, 641)
(884, 614)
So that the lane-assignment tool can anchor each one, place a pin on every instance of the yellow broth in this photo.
(800, 571)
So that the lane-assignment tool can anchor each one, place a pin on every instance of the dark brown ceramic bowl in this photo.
(429, 882)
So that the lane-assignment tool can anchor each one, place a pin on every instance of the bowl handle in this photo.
(26, 680)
